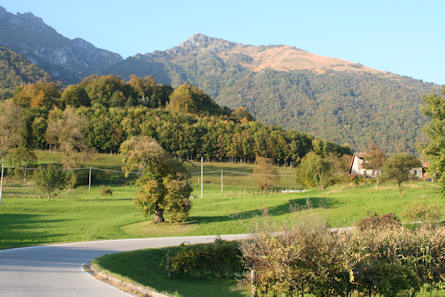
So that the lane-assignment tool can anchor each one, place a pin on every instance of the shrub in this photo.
(428, 214)
(106, 191)
(311, 259)
(375, 221)
(220, 259)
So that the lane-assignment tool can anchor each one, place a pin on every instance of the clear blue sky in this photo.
(404, 37)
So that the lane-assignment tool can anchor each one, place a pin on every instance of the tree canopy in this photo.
(434, 149)
(164, 182)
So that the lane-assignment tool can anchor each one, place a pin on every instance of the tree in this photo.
(24, 157)
(138, 152)
(75, 96)
(398, 168)
(434, 150)
(164, 184)
(266, 174)
(314, 171)
(11, 126)
(67, 130)
(374, 159)
(186, 98)
(43, 95)
(50, 178)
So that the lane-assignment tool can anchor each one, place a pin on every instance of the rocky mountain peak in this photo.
(66, 59)
(200, 42)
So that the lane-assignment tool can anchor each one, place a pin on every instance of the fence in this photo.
(18, 182)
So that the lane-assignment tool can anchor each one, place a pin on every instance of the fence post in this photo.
(24, 175)
(222, 181)
(89, 181)
(1, 181)
(202, 177)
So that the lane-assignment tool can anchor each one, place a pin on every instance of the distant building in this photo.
(357, 168)
(420, 172)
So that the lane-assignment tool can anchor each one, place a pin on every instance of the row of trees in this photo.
(184, 121)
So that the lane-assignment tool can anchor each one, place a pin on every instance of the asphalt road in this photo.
(55, 270)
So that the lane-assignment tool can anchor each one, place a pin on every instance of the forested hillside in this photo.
(334, 99)
(331, 98)
(101, 112)
(16, 71)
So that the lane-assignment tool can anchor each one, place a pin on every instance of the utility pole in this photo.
(1, 182)
(202, 177)
(222, 181)
(89, 181)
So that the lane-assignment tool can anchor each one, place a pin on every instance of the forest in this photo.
(101, 112)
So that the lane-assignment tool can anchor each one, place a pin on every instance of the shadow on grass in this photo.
(10, 237)
(291, 206)
(146, 267)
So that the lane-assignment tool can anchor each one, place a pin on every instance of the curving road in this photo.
(55, 270)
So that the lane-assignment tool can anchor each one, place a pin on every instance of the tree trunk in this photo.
(159, 216)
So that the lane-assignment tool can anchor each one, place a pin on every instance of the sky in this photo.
(404, 37)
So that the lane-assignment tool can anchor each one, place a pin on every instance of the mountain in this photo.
(282, 85)
(65, 59)
(17, 71)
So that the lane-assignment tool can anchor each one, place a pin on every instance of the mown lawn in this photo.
(144, 268)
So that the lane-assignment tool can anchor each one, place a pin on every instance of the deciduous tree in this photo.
(314, 171)
(434, 150)
(50, 178)
(398, 168)
(67, 131)
(266, 174)
(11, 126)
(374, 159)
(164, 182)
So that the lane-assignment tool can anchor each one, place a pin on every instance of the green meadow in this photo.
(27, 218)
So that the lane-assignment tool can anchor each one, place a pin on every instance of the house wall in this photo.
(357, 168)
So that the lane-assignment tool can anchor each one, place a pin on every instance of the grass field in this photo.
(143, 268)
(77, 214)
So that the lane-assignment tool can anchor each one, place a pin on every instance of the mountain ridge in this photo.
(332, 98)
(66, 59)
(328, 97)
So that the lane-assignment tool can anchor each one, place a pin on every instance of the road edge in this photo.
(127, 287)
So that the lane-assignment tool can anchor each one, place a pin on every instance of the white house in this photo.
(357, 168)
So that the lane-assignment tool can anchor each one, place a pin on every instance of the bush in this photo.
(428, 214)
(311, 259)
(386, 221)
(106, 191)
(220, 259)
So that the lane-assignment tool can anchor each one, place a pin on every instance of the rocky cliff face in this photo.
(67, 60)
